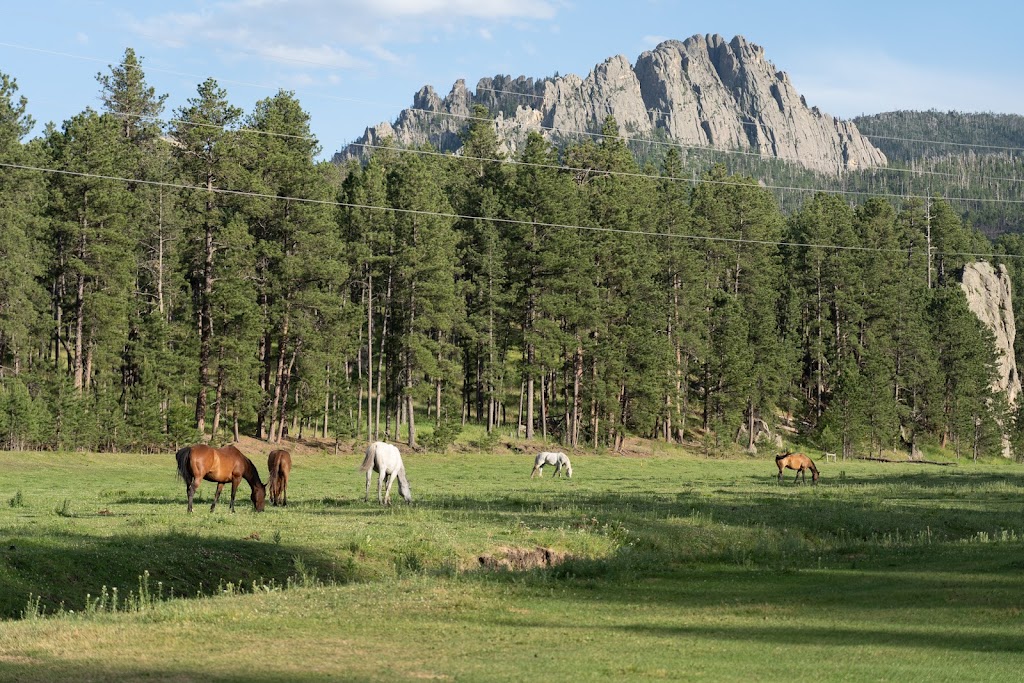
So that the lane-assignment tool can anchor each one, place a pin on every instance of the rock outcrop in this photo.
(702, 92)
(990, 297)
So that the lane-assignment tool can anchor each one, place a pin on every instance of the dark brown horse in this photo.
(280, 464)
(799, 462)
(219, 465)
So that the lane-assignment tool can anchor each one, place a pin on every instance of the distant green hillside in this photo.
(976, 161)
(977, 157)
(906, 136)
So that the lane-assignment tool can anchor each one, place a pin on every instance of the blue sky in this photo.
(354, 63)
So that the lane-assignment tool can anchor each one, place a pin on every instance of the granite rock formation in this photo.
(701, 92)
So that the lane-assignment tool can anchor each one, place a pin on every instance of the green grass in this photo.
(676, 567)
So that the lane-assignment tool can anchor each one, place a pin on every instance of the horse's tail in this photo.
(371, 450)
(272, 480)
(184, 458)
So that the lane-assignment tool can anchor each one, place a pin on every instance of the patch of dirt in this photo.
(258, 449)
(518, 559)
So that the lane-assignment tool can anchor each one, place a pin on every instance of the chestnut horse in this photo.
(219, 465)
(280, 464)
(799, 462)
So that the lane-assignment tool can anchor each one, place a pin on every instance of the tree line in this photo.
(208, 277)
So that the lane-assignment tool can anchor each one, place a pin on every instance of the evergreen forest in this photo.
(198, 274)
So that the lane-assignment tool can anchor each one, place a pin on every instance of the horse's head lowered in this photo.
(259, 495)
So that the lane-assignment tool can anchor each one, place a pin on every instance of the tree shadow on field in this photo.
(879, 608)
(188, 668)
(61, 570)
(760, 525)
(840, 636)
(789, 508)
(853, 611)
(910, 474)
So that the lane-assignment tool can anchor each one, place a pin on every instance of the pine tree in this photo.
(90, 236)
(300, 267)
(426, 307)
(746, 266)
(542, 195)
(685, 298)
(155, 220)
(21, 196)
(369, 234)
(208, 156)
(126, 94)
(478, 183)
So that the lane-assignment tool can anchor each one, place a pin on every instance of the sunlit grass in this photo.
(674, 567)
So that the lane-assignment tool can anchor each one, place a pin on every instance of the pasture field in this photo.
(670, 566)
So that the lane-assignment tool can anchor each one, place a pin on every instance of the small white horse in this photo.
(385, 459)
(559, 460)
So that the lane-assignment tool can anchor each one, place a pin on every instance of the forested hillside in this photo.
(207, 277)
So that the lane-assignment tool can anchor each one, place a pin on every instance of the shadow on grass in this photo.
(61, 571)
(896, 609)
(873, 611)
(845, 636)
(809, 511)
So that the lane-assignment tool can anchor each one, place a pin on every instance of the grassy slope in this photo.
(683, 568)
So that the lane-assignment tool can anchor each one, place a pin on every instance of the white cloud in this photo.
(324, 56)
(480, 9)
(650, 41)
(334, 34)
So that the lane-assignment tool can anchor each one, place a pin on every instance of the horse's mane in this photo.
(251, 473)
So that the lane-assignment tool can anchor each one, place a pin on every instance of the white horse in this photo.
(385, 459)
(559, 460)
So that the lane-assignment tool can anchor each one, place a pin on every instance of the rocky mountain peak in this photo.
(701, 92)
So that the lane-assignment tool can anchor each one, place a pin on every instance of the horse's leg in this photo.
(369, 475)
(380, 487)
(234, 490)
(190, 491)
(216, 497)
(387, 492)
(284, 492)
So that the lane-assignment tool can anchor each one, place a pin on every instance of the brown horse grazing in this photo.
(799, 462)
(280, 464)
(219, 465)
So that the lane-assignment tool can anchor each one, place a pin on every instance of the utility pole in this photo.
(928, 233)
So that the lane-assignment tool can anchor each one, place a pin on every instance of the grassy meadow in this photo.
(667, 566)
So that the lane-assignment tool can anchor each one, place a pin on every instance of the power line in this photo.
(513, 161)
(470, 117)
(881, 169)
(554, 129)
(506, 221)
